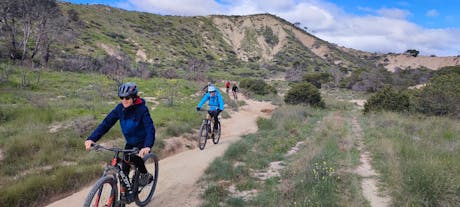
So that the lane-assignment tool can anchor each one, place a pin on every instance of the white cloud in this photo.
(393, 13)
(387, 30)
(184, 7)
(432, 13)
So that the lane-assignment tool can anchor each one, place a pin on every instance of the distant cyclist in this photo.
(227, 86)
(234, 91)
(136, 125)
(216, 104)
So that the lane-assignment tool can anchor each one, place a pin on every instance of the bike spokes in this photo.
(217, 133)
(203, 136)
(146, 192)
(104, 195)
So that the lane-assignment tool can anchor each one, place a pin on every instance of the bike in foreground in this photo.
(207, 131)
(115, 188)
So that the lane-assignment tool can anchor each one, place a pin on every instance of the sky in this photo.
(429, 26)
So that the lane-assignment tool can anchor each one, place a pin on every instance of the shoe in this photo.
(145, 179)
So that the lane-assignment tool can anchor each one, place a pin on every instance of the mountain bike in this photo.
(235, 96)
(207, 131)
(106, 191)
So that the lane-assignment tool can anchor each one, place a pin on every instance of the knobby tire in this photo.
(203, 137)
(103, 193)
(145, 193)
(217, 134)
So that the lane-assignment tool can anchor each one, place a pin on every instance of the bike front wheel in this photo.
(145, 193)
(216, 137)
(104, 193)
(203, 136)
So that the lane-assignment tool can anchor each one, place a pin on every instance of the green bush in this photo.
(388, 99)
(304, 93)
(441, 96)
(317, 78)
(257, 86)
(447, 70)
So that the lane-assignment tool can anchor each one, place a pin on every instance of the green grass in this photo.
(78, 102)
(319, 174)
(417, 157)
(255, 152)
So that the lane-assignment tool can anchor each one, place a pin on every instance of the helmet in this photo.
(127, 89)
(211, 88)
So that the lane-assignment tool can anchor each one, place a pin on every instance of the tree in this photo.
(304, 93)
(387, 99)
(412, 52)
(441, 96)
(257, 86)
(317, 78)
(27, 26)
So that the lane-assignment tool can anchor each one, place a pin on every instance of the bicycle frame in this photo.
(115, 170)
(106, 191)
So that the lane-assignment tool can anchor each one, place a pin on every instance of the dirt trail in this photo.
(368, 174)
(179, 173)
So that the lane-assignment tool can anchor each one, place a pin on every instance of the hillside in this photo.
(117, 42)
(258, 45)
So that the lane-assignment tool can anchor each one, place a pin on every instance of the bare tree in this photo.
(196, 69)
(26, 21)
(116, 69)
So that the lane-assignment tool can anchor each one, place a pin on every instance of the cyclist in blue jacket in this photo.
(136, 125)
(216, 104)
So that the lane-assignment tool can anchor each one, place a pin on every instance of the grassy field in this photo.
(44, 123)
(415, 157)
(302, 156)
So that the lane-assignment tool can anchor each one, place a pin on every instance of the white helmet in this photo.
(211, 88)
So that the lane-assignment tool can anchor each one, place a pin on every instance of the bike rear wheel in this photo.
(104, 193)
(216, 137)
(203, 136)
(145, 193)
(235, 96)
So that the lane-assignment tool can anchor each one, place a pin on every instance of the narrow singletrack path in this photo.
(179, 173)
(368, 174)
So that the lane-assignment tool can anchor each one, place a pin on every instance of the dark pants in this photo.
(133, 159)
(215, 114)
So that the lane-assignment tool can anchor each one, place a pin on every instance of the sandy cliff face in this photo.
(403, 61)
(236, 29)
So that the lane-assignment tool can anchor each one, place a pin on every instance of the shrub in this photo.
(387, 99)
(304, 93)
(257, 86)
(441, 96)
(317, 78)
(412, 52)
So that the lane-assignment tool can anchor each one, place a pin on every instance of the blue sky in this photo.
(430, 26)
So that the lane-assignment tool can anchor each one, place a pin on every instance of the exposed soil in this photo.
(177, 185)
(368, 174)
(403, 61)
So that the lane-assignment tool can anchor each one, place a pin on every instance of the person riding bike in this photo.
(234, 88)
(216, 104)
(227, 86)
(136, 125)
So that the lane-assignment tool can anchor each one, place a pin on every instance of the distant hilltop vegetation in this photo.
(95, 37)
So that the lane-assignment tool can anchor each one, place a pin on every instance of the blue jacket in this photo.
(216, 102)
(135, 122)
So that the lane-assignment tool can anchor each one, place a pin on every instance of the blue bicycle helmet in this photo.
(127, 90)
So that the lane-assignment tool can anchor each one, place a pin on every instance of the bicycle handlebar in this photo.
(95, 146)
